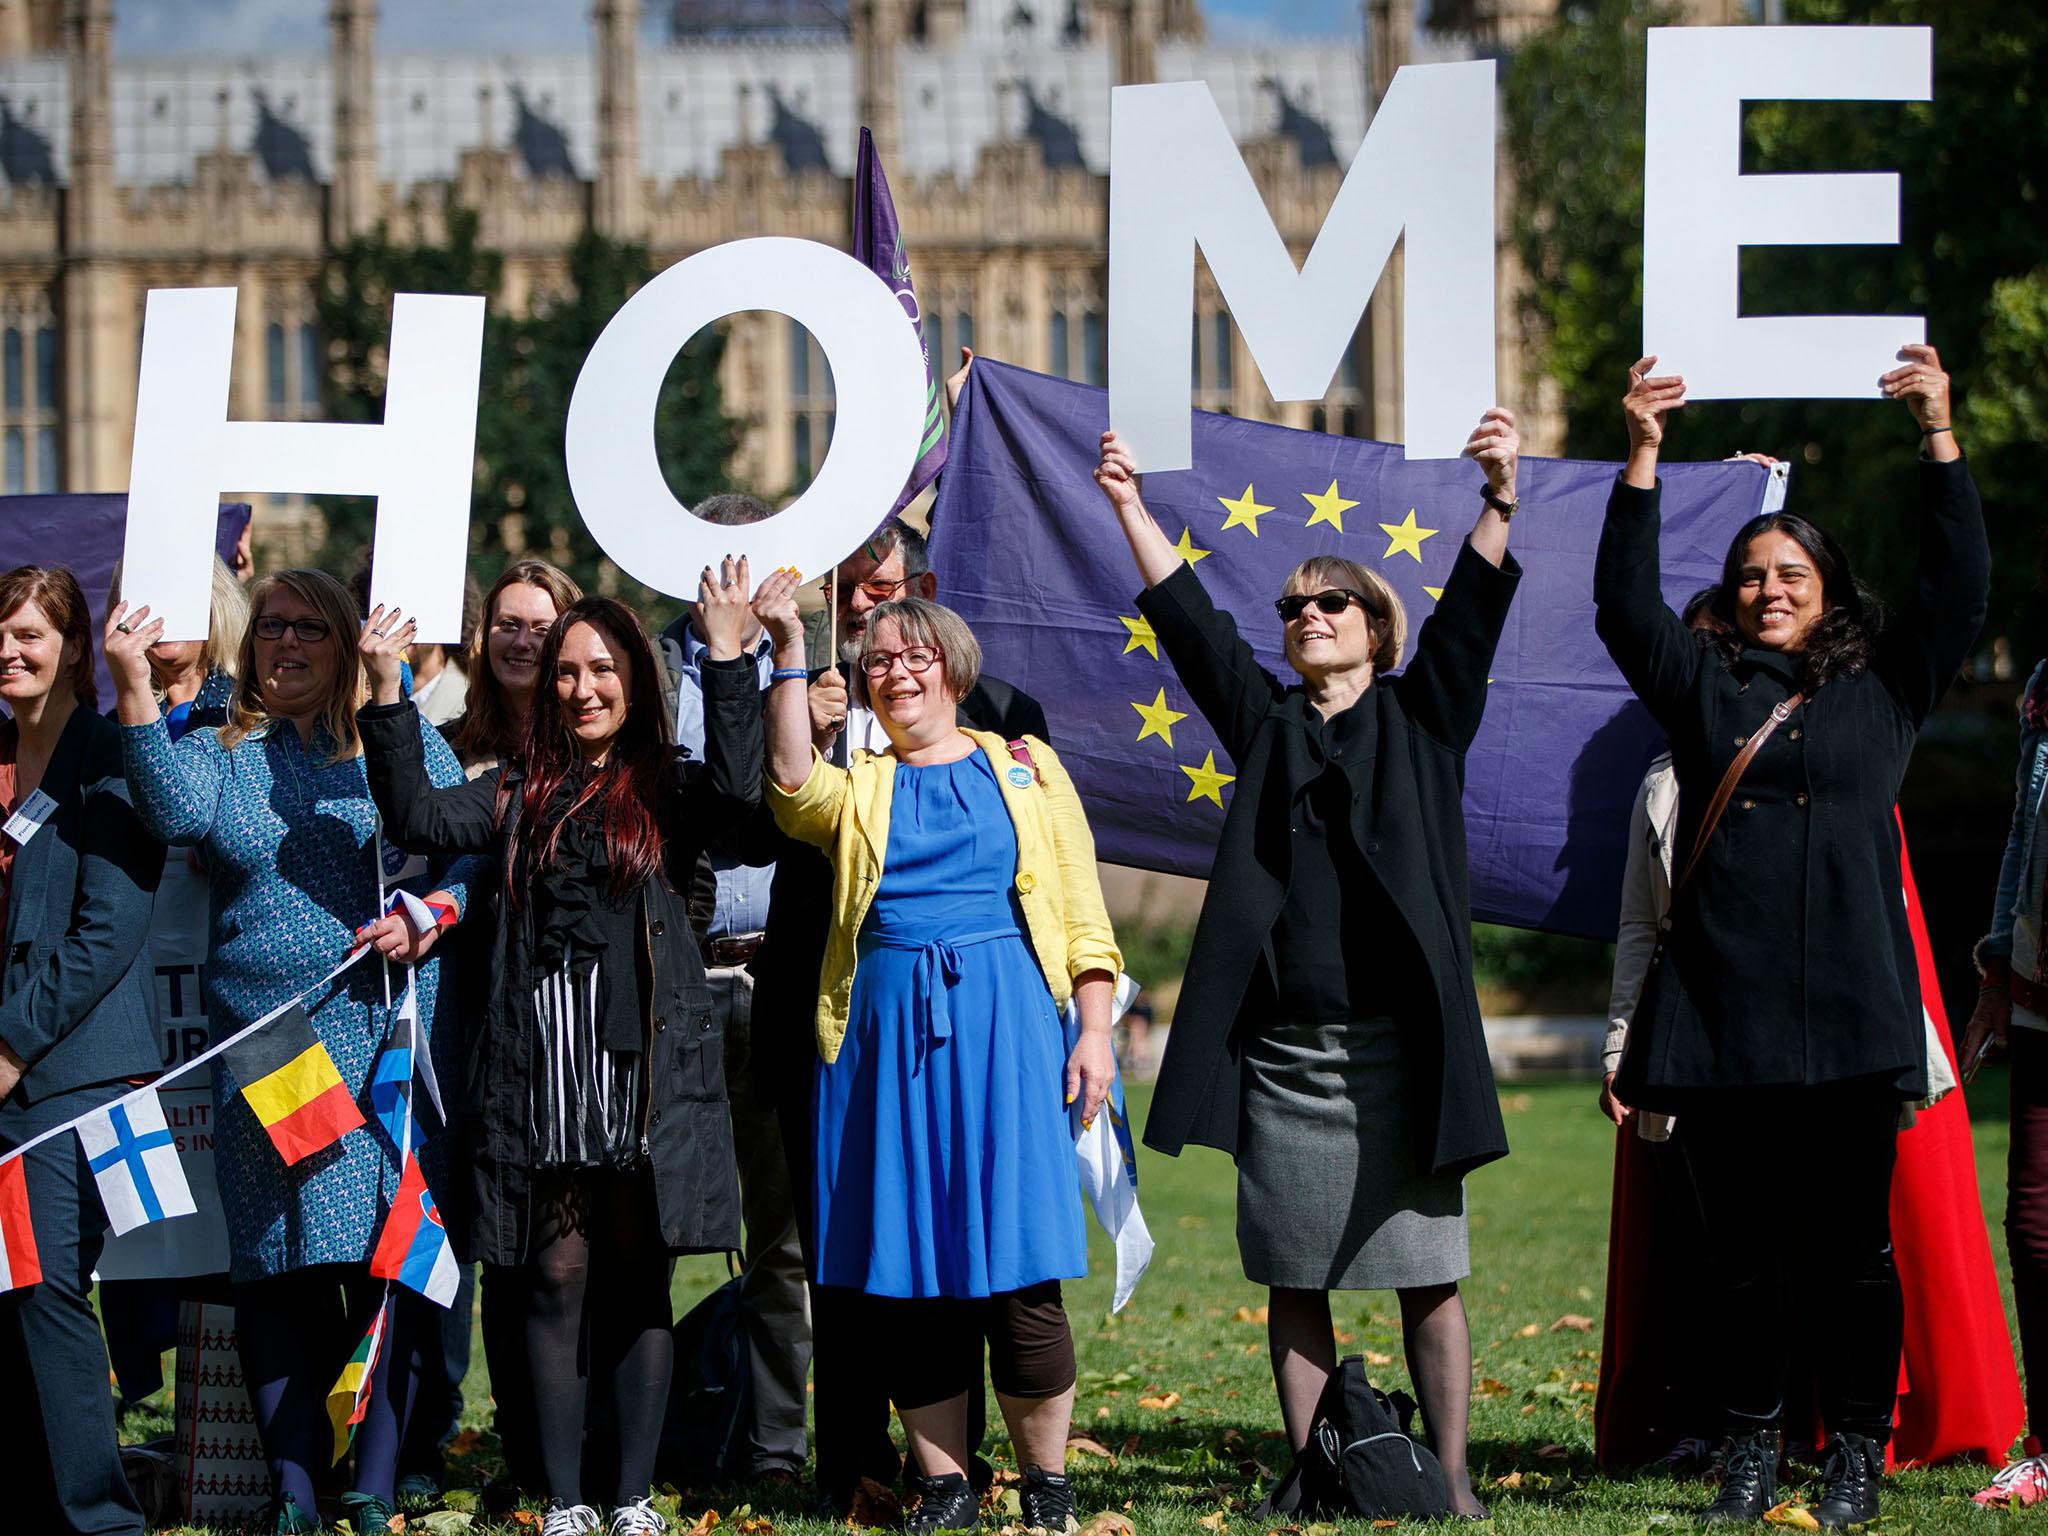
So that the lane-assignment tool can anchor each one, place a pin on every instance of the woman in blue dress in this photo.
(966, 913)
(278, 804)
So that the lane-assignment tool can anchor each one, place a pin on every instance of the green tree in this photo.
(521, 504)
(1969, 259)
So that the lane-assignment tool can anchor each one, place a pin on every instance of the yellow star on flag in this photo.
(1436, 595)
(1405, 538)
(1208, 783)
(1329, 507)
(1141, 634)
(1244, 512)
(1186, 547)
(1158, 718)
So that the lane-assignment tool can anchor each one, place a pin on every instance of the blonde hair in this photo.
(227, 618)
(329, 600)
(1382, 605)
(920, 621)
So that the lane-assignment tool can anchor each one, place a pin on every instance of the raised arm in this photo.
(420, 816)
(1650, 645)
(175, 788)
(1214, 663)
(1443, 688)
(727, 784)
(1922, 651)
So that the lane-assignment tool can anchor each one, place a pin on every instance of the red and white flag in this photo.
(19, 1265)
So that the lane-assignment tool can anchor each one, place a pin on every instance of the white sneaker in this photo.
(639, 1518)
(570, 1520)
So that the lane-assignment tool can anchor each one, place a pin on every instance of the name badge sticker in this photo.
(1021, 776)
(26, 822)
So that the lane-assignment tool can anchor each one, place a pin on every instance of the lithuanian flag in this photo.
(289, 1080)
(349, 1398)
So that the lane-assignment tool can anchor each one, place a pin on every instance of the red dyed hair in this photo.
(625, 791)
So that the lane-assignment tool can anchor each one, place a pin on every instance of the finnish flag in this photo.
(134, 1157)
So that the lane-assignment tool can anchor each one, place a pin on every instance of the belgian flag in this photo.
(289, 1081)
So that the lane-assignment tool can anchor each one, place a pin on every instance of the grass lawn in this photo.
(1539, 1245)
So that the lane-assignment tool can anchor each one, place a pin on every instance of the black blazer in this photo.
(686, 1125)
(1410, 829)
(1790, 944)
(78, 997)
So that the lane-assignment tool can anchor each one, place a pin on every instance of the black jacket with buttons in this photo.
(1792, 955)
(686, 1125)
(1408, 818)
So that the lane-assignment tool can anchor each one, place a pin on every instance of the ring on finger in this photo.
(124, 627)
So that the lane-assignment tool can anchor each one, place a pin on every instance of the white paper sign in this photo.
(858, 323)
(1426, 170)
(1699, 209)
(418, 463)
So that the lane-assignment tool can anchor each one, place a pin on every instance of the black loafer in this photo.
(945, 1503)
(1046, 1503)
(1749, 1478)
(1849, 1479)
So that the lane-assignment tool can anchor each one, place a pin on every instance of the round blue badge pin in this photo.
(1021, 776)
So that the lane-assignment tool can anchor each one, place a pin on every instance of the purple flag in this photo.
(83, 532)
(878, 243)
(1028, 551)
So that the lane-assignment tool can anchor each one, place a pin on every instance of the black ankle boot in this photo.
(1046, 1503)
(944, 1503)
(1749, 1477)
(1849, 1478)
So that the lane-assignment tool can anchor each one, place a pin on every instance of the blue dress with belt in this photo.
(945, 1164)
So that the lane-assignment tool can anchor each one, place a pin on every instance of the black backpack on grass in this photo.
(1361, 1461)
(710, 1393)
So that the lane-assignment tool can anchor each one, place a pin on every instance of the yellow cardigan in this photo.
(845, 811)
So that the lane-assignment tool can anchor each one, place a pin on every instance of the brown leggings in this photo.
(931, 1347)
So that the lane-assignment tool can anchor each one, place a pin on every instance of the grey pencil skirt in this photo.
(1332, 1193)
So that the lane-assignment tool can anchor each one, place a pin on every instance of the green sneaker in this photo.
(294, 1521)
(367, 1514)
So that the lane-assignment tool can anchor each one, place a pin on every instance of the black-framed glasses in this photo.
(917, 660)
(1331, 600)
(309, 631)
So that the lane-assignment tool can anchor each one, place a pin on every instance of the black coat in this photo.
(1790, 946)
(78, 992)
(1410, 828)
(687, 1127)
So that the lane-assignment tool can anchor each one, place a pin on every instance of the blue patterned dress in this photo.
(291, 849)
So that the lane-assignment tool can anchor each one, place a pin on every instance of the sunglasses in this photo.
(1331, 600)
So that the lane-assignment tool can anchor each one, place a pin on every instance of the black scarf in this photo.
(578, 923)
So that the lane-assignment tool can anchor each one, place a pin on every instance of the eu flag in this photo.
(1029, 553)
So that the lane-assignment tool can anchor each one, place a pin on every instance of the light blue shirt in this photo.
(742, 904)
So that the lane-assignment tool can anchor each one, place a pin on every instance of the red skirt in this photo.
(1959, 1390)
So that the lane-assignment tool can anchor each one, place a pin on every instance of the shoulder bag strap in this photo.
(1726, 789)
(1021, 751)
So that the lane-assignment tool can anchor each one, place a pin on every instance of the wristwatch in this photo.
(1506, 509)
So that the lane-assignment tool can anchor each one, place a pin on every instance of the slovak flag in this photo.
(414, 1248)
(134, 1157)
(19, 1265)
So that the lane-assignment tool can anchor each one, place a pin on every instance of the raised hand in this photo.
(126, 641)
(1117, 475)
(1496, 447)
(1921, 383)
(382, 645)
(957, 381)
(775, 607)
(1649, 399)
(722, 605)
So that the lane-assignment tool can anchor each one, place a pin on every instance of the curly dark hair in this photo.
(1837, 644)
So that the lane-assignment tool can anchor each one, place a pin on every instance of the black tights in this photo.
(295, 1332)
(1840, 1139)
(596, 1285)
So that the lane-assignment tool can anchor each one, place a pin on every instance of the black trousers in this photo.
(64, 1462)
(1815, 1271)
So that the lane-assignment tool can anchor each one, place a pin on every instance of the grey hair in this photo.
(920, 621)
(896, 534)
(731, 509)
